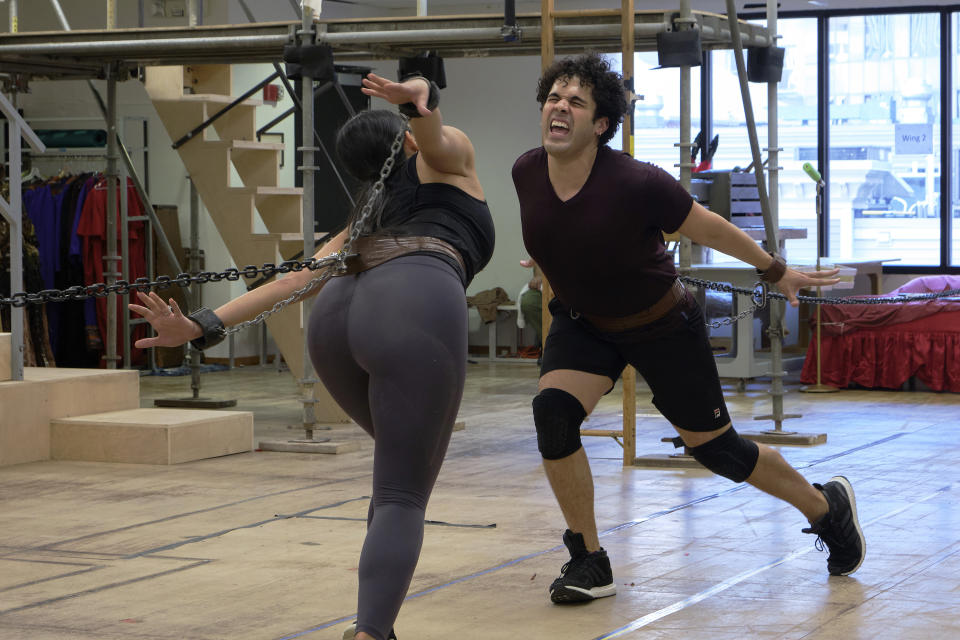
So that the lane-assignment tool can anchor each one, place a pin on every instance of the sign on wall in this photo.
(913, 139)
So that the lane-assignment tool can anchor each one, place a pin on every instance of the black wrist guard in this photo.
(213, 330)
(775, 271)
(409, 109)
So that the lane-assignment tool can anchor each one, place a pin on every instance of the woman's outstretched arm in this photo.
(173, 328)
(446, 149)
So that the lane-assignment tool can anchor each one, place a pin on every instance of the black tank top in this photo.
(442, 211)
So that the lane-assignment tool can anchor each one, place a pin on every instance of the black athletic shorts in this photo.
(672, 354)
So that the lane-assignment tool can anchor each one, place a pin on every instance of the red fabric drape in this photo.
(92, 230)
(886, 357)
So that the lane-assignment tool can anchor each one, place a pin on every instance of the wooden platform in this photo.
(95, 414)
(151, 436)
(28, 406)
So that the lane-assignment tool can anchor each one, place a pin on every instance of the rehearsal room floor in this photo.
(264, 545)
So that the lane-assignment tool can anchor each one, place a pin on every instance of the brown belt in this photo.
(654, 312)
(375, 250)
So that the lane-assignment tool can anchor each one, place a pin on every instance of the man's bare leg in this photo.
(772, 475)
(570, 477)
(572, 484)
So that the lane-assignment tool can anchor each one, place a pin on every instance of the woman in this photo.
(388, 337)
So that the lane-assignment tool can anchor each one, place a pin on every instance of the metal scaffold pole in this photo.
(12, 211)
(308, 379)
(111, 260)
(777, 435)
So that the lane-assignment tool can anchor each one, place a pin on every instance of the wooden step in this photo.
(151, 436)
(4, 356)
(219, 100)
(46, 393)
(280, 212)
(257, 163)
(182, 115)
(209, 78)
(170, 81)
(291, 244)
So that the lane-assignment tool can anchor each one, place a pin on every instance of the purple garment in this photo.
(76, 245)
(43, 208)
(76, 250)
(602, 250)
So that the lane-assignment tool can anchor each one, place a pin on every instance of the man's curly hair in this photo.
(606, 86)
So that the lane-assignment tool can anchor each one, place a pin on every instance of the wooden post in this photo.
(629, 377)
(546, 59)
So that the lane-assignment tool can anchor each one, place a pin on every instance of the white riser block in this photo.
(151, 436)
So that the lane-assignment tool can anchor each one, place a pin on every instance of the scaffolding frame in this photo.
(83, 53)
(112, 52)
(12, 211)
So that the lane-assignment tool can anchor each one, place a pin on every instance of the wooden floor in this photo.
(265, 545)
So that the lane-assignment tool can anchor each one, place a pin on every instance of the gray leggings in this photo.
(390, 344)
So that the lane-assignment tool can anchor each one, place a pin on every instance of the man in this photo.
(531, 301)
(593, 215)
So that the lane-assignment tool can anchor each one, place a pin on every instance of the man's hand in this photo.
(172, 327)
(793, 280)
(415, 90)
(536, 282)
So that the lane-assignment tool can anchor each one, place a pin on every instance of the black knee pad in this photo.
(557, 416)
(728, 455)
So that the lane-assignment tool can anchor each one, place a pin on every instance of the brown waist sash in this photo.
(654, 312)
(375, 250)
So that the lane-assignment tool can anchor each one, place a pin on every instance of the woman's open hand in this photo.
(172, 327)
(415, 90)
(793, 280)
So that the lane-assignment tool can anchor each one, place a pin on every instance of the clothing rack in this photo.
(98, 155)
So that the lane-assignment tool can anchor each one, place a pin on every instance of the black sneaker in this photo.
(586, 576)
(351, 631)
(840, 528)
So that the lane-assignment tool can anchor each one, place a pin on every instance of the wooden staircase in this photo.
(208, 157)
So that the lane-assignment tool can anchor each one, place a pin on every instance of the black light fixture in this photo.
(679, 49)
(765, 64)
(316, 60)
(428, 64)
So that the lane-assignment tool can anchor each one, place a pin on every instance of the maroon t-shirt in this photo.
(602, 250)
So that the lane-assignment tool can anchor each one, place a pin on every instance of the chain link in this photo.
(335, 262)
(760, 294)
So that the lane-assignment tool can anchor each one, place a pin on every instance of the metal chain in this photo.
(761, 293)
(335, 262)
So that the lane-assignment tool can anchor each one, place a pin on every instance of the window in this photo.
(884, 131)
(797, 133)
(656, 118)
(954, 258)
